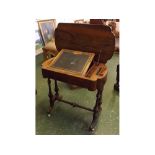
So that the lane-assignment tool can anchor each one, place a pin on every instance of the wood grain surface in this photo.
(86, 37)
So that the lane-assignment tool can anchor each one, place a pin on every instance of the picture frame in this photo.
(47, 28)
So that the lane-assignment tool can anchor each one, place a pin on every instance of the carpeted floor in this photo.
(67, 120)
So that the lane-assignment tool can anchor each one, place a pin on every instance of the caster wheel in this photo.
(91, 129)
(49, 115)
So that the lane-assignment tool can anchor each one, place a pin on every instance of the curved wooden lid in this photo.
(86, 37)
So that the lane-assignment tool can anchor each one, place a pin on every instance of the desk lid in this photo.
(92, 38)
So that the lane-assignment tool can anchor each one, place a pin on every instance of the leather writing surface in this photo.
(71, 61)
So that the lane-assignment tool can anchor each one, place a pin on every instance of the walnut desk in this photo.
(83, 51)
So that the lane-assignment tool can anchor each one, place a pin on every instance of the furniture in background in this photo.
(114, 25)
(96, 39)
(47, 28)
(98, 21)
(116, 85)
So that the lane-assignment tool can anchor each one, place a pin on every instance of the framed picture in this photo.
(47, 28)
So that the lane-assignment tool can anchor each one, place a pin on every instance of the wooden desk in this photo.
(96, 39)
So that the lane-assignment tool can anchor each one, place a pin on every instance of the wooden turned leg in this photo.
(56, 89)
(97, 109)
(57, 96)
(51, 98)
(116, 85)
